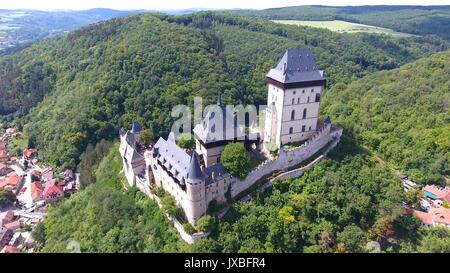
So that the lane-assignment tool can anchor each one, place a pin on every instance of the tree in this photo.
(382, 229)
(327, 241)
(186, 141)
(146, 137)
(169, 206)
(206, 246)
(353, 237)
(436, 240)
(236, 159)
(205, 223)
(7, 198)
(413, 197)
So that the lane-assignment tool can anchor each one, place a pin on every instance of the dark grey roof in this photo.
(128, 148)
(194, 174)
(213, 172)
(173, 158)
(209, 130)
(296, 65)
(136, 127)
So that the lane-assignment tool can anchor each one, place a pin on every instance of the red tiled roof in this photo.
(52, 190)
(12, 179)
(439, 192)
(13, 225)
(36, 191)
(29, 153)
(10, 249)
(423, 216)
(8, 216)
(440, 215)
(434, 215)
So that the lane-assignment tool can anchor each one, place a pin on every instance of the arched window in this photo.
(293, 115)
(304, 113)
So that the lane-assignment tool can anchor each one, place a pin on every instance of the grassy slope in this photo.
(344, 27)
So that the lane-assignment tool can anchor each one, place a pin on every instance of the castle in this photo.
(196, 178)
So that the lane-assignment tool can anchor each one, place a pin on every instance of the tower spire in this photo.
(219, 100)
(194, 174)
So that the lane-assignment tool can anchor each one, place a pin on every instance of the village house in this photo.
(434, 217)
(4, 169)
(5, 236)
(6, 217)
(52, 192)
(10, 249)
(29, 154)
(13, 225)
(10, 181)
(36, 191)
(436, 193)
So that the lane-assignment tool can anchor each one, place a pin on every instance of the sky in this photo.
(185, 4)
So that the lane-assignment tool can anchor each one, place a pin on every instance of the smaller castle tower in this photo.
(133, 161)
(195, 190)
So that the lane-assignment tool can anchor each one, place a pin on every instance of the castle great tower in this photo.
(295, 87)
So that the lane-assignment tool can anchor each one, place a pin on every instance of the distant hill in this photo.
(80, 88)
(419, 20)
(403, 115)
(31, 25)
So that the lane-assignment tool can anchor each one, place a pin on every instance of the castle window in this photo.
(294, 92)
(304, 113)
(312, 90)
(303, 128)
(317, 97)
(310, 128)
(293, 115)
(293, 101)
(303, 91)
(291, 130)
(308, 99)
(298, 100)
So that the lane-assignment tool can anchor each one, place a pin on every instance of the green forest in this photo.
(72, 91)
(345, 202)
(403, 115)
(71, 94)
(419, 20)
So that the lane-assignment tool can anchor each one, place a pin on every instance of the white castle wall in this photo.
(288, 159)
(143, 186)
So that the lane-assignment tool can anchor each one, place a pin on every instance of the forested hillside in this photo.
(345, 202)
(403, 115)
(106, 218)
(90, 82)
(420, 20)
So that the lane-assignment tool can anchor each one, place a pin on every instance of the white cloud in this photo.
(184, 4)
